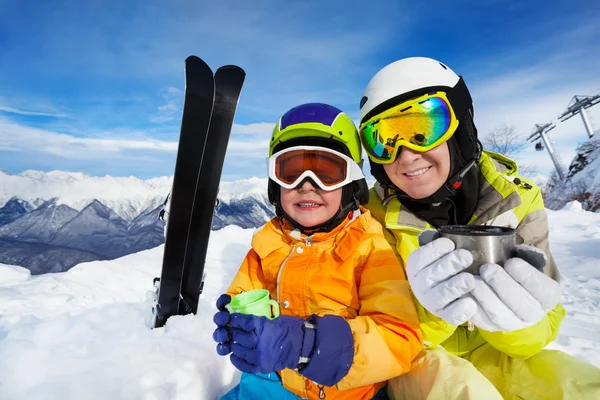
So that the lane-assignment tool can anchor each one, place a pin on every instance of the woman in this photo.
(483, 334)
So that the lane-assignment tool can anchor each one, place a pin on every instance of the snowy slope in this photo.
(82, 334)
(585, 166)
(582, 182)
(575, 241)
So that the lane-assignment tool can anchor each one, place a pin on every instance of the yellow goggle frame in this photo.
(420, 124)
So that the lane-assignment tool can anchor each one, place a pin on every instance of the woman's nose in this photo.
(407, 156)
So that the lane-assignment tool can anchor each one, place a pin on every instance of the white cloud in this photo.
(290, 59)
(15, 137)
(20, 138)
(167, 107)
(525, 113)
(170, 109)
(249, 149)
(12, 110)
(260, 128)
(536, 90)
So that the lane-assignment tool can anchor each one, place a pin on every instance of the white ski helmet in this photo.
(412, 77)
(405, 79)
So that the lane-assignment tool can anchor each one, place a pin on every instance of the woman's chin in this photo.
(420, 193)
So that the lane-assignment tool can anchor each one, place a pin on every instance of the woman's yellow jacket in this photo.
(502, 200)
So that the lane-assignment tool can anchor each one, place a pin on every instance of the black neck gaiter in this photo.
(453, 210)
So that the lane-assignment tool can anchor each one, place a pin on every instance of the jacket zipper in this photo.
(281, 270)
(518, 181)
(321, 391)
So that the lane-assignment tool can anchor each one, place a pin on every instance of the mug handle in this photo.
(275, 307)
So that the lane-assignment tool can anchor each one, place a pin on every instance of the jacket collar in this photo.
(497, 194)
(274, 235)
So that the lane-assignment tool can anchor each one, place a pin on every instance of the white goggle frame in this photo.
(353, 170)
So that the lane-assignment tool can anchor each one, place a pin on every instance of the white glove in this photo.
(434, 273)
(514, 297)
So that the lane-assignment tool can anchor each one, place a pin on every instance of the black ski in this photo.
(197, 113)
(209, 109)
(228, 80)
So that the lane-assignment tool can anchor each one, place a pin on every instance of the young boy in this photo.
(348, 322)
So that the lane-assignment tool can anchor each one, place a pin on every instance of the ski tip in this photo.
(196, 60)
(236, 68)
(193, 58)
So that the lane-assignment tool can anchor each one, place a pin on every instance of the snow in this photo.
(575, 241)
(83, 334)
(253, 187)
(590, 175)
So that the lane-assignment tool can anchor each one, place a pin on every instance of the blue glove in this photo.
(264, 345)
(321, 348)
(221, 335)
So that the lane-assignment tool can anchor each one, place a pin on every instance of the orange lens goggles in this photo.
(327, 168)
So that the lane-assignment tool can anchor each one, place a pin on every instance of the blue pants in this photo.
(259, 387)
(268, 387)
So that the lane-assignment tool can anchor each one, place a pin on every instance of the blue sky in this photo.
(97, 86)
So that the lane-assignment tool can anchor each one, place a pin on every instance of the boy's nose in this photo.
(307, 186)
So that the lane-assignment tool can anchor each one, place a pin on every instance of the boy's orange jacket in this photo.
(351, 272)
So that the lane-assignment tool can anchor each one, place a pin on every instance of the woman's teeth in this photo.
(418, 172)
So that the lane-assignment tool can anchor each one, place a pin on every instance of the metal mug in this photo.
(487, 244)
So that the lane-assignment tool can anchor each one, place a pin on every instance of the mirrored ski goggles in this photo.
(329, 169)
(419, 124)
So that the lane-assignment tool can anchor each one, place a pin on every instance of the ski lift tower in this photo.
(540, 131)
(578, 105)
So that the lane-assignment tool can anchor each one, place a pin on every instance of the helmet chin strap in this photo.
(326, 226)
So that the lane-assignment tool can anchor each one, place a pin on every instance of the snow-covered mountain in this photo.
(128, 197)
(60, 219)
(13, 209)
(243, 203)
(582, 182)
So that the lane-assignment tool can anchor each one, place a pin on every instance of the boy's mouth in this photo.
(307, 204)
